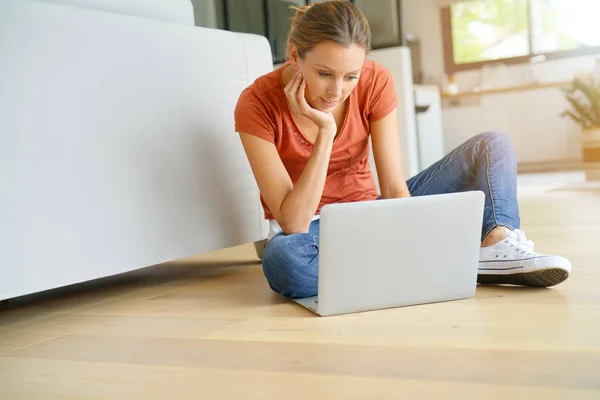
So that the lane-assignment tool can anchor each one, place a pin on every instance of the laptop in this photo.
(397, 252)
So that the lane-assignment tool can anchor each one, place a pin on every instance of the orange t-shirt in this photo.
(263, 110)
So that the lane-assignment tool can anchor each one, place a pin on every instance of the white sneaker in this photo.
(513, 261)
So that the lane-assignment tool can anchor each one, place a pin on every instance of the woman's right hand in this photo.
(295, 92)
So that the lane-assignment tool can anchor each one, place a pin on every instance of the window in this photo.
(271, 18)
(480, 32)
(384, 21)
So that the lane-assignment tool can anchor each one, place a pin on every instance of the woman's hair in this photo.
(338, 21)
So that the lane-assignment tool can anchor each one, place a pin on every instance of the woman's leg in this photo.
(290, 263)
(485, 162)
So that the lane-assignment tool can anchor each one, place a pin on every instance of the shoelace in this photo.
(521, 238)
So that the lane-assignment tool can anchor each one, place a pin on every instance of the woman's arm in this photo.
(292, 207)
(388, 157)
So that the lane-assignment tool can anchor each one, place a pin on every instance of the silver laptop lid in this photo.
(396, 252)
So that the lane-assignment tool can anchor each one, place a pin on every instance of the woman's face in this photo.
(331, 72)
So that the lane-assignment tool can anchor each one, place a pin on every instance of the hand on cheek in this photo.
(306, 89)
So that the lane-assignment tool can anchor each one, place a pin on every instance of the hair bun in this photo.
(299, 13)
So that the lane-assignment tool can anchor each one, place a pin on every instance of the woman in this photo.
(305, 128)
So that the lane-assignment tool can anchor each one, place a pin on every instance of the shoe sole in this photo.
(540, 278)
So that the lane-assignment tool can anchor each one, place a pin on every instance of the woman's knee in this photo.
(499, 144)
(290, 265)
(497, 139)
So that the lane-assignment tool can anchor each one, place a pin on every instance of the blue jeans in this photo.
(485, 162)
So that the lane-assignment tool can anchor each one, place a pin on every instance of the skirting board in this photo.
(550, 166)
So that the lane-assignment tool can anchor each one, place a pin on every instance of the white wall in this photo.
(531, 118)
(422, 18)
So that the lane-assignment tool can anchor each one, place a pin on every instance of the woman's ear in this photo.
(294, 56)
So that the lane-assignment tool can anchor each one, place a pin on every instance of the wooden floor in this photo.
(209, 328)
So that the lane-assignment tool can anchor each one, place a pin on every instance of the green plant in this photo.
(584, 96)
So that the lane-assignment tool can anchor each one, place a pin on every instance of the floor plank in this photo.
(53, 380)
(538, 368)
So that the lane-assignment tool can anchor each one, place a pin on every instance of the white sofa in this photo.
(117, 145)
